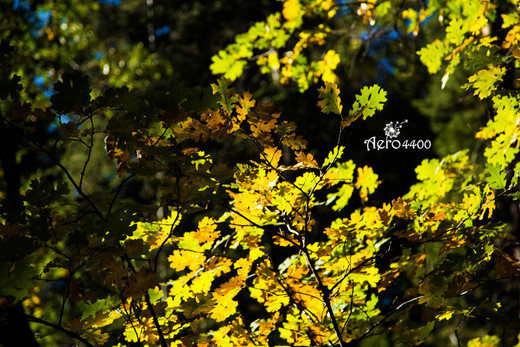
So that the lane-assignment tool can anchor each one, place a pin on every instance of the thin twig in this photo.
(170, 234)
(384, 319)
(346, 274)
(83, 171)
(65, 296)
(126, 179)
(60, 165)
(150, 307)
(128, 316)
(60, 328)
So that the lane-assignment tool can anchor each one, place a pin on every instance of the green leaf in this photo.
(342, 197)
(383, 8)
(500, 152)
(329, 99)
(19, 282)
(428, 169)
(200, 99)
(225, 63)
(425, 331)
(455, 31)
(495, 176)
(510, 19)
(516, 175)
(480, 58)
(485, 81)
(432, 55)
(367, 103)
(334, 155)
(88, 309)
(228, 98)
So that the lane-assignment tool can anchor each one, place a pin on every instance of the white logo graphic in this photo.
(392, 131)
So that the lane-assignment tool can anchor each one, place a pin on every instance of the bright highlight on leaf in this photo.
(334, 155)
(367, 103)
(485, 81)
(366, 182)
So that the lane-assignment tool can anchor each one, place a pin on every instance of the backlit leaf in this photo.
(367, 103)
(485, 81)
(329, 99)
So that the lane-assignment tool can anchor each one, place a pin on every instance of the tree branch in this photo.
(155, 320)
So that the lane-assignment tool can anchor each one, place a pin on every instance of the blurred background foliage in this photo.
(145, 44)
(140, 45)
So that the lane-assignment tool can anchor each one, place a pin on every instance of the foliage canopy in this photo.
(251, 235)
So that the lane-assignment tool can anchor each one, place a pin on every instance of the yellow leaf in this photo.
(370, 275)
(181, 259)
(446, 315)
(485, 81)
(202, 283)
(306, 160)
(243, 267)
(366, 182)
(273, 155)
(486, 341)
(190, 150)
(307, 181)
(329, 99)
(327, 65)
(224, 307)
(206, 232)
(489, 202)
(255, 253)
(245, 104)
(401, 209)
(291, 9)
(262, 127)
(275, 302)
